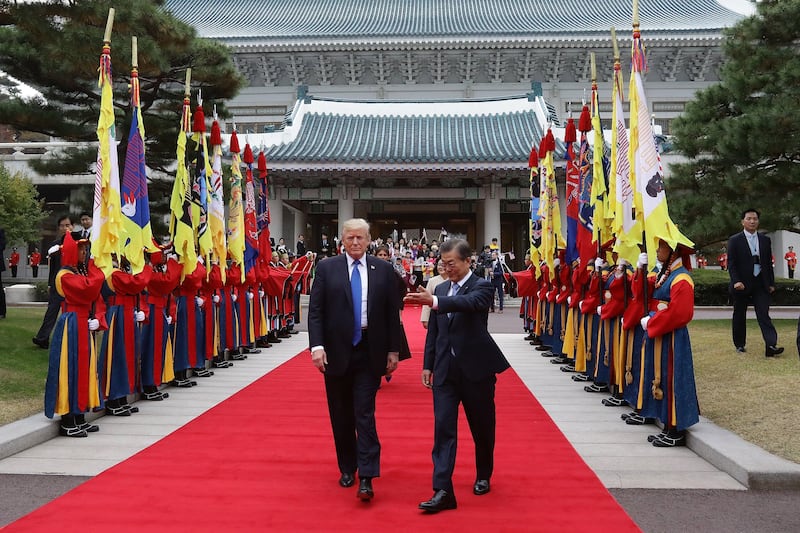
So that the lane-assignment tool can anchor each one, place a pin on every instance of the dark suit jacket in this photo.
(330, 313)
(740, 262)
(466, 332)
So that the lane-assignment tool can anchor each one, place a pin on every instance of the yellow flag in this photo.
(107, 232)
(646, 170)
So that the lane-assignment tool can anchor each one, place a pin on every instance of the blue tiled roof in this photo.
(318, 21)
(502, 140)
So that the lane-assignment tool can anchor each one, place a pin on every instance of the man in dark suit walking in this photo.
(752, 281)
(325, 247)
(354, 334)
(461, 363)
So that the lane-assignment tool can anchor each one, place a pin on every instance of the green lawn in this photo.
(749, 394)
(23, 366)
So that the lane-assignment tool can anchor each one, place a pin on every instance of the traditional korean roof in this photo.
(285, 23)
(338, 134)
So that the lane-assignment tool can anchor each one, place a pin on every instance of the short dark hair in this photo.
(460, 246)
(383, 248)
(750, 210)
(62, 218)
(85, 214)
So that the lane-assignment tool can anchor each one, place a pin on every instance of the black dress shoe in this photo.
(45, 344)
(481, 487)
(365, 492)
(772, 351)
(441, 501)
(347, 480)
(740, 349)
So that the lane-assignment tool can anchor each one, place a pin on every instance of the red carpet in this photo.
(264, 460)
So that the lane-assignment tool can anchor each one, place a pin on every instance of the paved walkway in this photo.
(616, 452)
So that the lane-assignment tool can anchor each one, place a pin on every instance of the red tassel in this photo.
(543, 148)
(533, 159)
(216, 136)
(248, 154)
(262, 164)
(585, 122)
(551, 141)
(234, 148)
(199, 123)
(570, 134)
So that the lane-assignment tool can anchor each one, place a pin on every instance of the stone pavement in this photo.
(619, 454)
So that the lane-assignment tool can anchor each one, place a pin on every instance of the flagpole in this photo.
(645, 296)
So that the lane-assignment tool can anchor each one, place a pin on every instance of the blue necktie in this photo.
(355, 288)
(452, 292)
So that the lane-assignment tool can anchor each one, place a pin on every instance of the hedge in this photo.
(711, 288)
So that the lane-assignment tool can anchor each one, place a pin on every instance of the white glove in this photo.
(169, 320)
(580, 304)
(139, 316)
(599, 308)
(642, 261)
(599, 263)
(250, 295)
(201, 259)
(622, 321)
(234, 297)
(53, 249)
(569, 300)
(94, 324)
(261, 293)
(199, 301)
(623, 262)
(644, 322)
(556, 262)
(215, 298)
(172, 255)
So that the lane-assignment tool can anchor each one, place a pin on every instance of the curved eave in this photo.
(333, 166)
(260, 45)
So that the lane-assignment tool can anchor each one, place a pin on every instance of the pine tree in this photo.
(742, 135)
(54, 46)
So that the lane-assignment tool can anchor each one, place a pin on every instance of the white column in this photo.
(299, 226)
(491, 216)
(345, 209)
(276, 219)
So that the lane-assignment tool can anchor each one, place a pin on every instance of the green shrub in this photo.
(40, 291)
(711, 288)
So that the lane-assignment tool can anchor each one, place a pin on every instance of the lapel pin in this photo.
(372, 267)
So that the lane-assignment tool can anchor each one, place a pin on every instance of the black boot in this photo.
(69, 427)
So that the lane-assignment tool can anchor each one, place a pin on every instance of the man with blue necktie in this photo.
(752, 281)
(461, 366)
(354, 334)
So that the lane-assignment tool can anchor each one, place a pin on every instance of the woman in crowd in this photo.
(402, 287)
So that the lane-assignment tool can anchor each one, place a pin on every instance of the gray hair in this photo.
(356, 224)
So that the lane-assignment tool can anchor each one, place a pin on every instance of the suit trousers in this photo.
(497, 283)
(351, 405)
(760, 298)
(49, 321)
(2, 297)
(478, 400)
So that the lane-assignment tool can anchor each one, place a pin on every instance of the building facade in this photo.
(422, 113)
